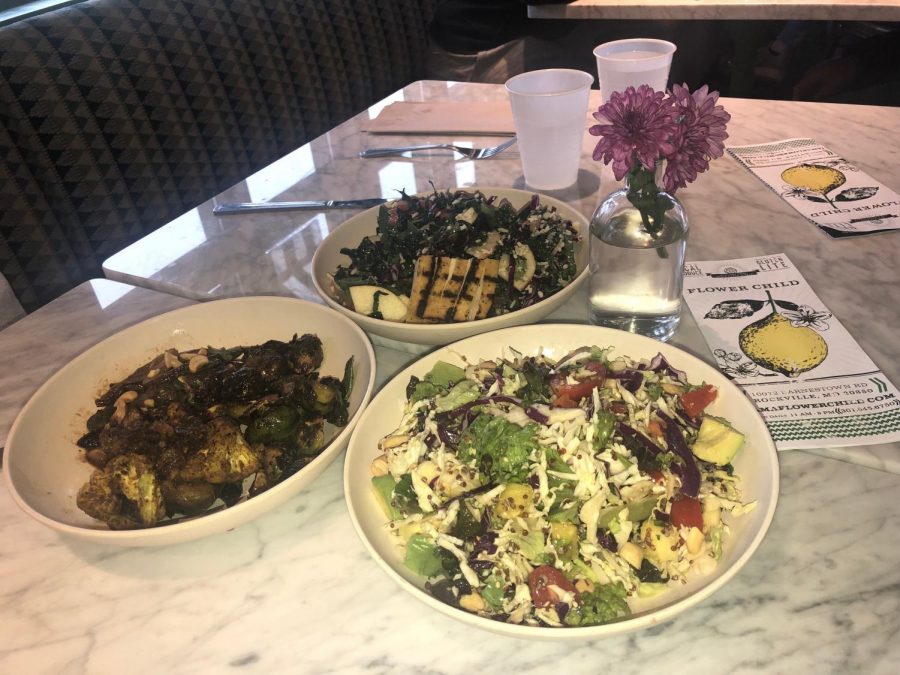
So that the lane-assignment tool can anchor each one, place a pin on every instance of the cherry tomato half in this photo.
(654, 428)
(575, 392)
(695, 401)
(542, 579)
(686, 512)
(596, 367)
(564, 402)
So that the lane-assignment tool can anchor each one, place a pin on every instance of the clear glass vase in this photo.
(637, 242)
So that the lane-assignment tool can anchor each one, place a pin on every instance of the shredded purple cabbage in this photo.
(690, 478)
(629, 378)
(479, 565)
(627, 432)
(572, 354)
(607, 541)
(589, 408)
(688, 420)
(537, 415)
(659, 365)
(485, 543)
(465, 407)
(448, 434)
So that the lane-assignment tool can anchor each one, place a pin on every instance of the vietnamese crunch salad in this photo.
(552, 493)
(457, 256)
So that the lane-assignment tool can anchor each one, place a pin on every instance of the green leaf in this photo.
(502, 449)
(493, 592)
(423, 557)
(461, 393)
(604, 604)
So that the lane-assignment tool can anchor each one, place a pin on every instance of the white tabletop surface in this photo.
(295, 591)
(732, 215)
(813, 10)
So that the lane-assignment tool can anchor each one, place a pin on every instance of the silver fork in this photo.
(471, 153)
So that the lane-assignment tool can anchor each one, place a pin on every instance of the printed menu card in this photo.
(771, 335)
(827, 190)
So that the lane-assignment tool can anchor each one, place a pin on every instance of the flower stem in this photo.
(644, 194)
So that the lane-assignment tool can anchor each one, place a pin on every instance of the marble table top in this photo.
(295, 591)
(732, 215)
(33, 348)
(814, 10)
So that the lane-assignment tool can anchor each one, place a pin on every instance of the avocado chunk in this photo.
(445, 374)
(383, 487)
(564, 537)
(717, 441)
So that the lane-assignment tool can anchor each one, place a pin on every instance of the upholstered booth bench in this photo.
(118, 115)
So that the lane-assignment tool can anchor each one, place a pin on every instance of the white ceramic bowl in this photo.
(756, 464)
(44, 468)
(351, 232)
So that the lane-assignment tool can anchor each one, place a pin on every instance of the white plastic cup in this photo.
(631, 63)
(549, 109)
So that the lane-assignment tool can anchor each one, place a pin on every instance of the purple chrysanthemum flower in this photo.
(700, 137)
(641, 124)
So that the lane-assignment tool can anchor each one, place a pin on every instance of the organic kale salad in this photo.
(457, 256)
(555, 493)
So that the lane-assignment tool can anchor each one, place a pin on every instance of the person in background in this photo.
(492, 40)
(865, 72)
(772, 59)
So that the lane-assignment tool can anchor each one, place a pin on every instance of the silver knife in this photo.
(261, 207)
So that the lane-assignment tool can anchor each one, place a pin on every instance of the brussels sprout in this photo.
(244, 384)
(189, 498)
(309, 436)
(274, 426)
(305, 353)
(327, 399)
(270, 365)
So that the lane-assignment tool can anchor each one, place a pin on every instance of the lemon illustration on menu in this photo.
(816, 178)
(821, 179)
(774, 342)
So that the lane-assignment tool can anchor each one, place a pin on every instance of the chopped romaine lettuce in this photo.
(501, 449)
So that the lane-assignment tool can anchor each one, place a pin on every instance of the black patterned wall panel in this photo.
(118, 115)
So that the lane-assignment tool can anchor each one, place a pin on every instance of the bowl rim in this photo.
(688, 362)
(185, 530)
(581, 223)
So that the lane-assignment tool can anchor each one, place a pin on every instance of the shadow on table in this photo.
(313, 526)
(588, 184)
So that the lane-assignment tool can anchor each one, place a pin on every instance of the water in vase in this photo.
(636, 278)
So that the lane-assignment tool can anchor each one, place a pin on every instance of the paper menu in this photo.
(826, 189)
(771, 335)
(490, 118)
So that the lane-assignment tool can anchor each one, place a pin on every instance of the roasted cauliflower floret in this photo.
(126, 492)
(226, 458)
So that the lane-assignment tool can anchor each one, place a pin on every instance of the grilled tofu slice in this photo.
(418, 294)
(476, 298)
(451, 289)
